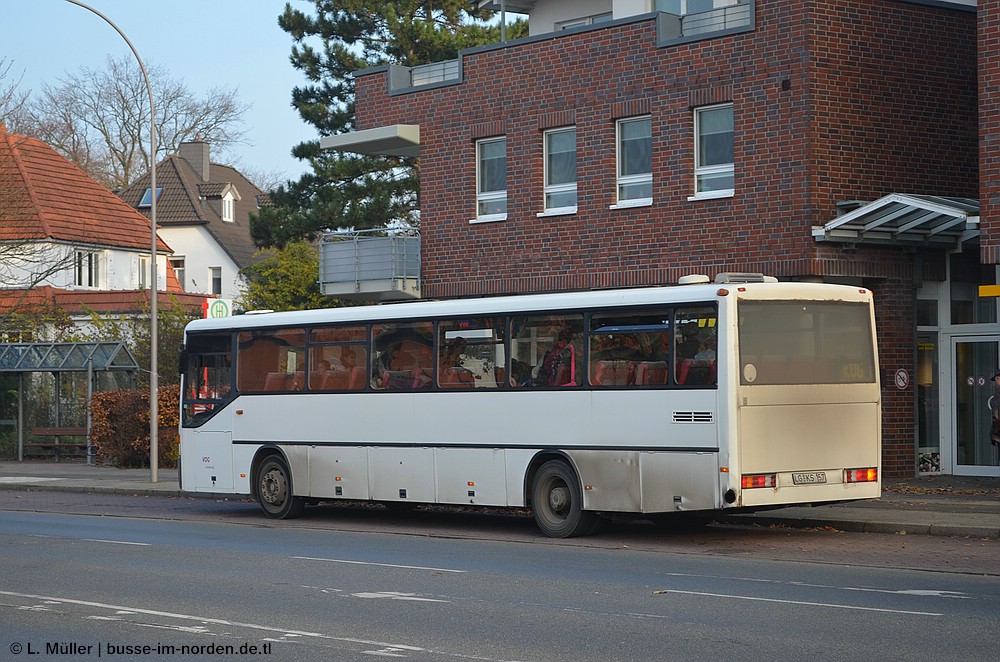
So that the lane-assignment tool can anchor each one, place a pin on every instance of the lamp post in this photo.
(154, 458)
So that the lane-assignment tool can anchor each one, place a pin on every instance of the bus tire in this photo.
(273, 490)
(557, 502)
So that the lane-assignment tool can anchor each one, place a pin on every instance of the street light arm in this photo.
(154, 458)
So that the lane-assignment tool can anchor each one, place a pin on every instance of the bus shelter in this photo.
(59, 359)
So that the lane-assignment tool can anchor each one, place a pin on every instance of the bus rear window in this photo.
(805, 342)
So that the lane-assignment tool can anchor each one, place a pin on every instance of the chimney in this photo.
(196, 153)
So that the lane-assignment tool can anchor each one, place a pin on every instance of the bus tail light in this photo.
(869, 475)
(759, 480)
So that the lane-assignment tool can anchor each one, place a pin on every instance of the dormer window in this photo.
(229, 208)
(147, 197)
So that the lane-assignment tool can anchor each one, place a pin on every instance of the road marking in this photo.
(119, 542)
(218, 621)
(797, 602)
(923, 593)
(382, 565)
(392, 595)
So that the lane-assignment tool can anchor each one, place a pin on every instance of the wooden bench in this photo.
(57, 433)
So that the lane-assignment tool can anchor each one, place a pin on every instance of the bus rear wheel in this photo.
(273, 490)
(557, 502)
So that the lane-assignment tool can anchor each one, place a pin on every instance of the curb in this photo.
(857, 526)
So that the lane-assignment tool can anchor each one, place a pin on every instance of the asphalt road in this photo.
(347, 584)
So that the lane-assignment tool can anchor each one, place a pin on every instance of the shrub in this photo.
(119, 430)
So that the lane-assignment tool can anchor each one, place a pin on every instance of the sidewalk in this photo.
(933, 505)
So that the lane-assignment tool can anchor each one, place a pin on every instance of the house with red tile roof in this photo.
(203, 211)
(68, 241)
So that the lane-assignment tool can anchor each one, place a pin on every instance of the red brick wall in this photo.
(989, 130)
(880, 98)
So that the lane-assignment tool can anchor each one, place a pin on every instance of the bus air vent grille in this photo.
(693, 417)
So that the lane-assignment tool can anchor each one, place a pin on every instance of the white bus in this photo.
(660, 401)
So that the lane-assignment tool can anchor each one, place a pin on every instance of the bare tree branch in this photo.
(99, 119)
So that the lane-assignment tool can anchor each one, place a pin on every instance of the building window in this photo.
(229, 208)
(560, 171)
(491, 179)
(586, 20)
(635, 161)
(684, 7)
(713, 167)
(147, 197)
(87, 267)
(143, 272)
(177, 264)
(216, 275)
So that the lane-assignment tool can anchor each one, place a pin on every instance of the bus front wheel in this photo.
(557, 502)
(274, 490)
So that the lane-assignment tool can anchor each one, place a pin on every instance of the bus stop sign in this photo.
(218, 308)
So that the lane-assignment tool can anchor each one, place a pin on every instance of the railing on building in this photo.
(729, 19)
(370, 265)
(401, 77)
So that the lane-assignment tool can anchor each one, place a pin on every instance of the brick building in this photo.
(631, 142)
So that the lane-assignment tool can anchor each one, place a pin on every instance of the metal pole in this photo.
(503, 21)
(154, 457)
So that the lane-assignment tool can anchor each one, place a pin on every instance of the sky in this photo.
(202, 43)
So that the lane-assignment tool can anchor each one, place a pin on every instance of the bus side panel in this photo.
(471, 476)
(333, 467)
(208, 461)
(518, 460)
(609, 479)
(402, 474)
(679, 481)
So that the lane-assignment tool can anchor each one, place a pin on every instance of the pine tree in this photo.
(348, 190)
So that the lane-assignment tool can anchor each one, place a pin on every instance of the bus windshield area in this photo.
(207, 376)
(805, 342)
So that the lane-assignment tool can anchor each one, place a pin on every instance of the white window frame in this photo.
(229, 208)
(489, 197)
(177, 264)
(622, 181)
(143, 272)
(556, 189)
(87, 269)
(707, 171)
(212, 279)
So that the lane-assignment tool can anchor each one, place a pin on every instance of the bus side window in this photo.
(695, 363)
(546, 350)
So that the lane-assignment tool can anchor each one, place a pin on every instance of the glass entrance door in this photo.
(976, 360)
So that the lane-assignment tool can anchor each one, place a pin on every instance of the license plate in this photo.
(809, 478)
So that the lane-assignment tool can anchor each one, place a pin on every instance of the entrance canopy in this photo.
(66, 357)
(910, 220)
